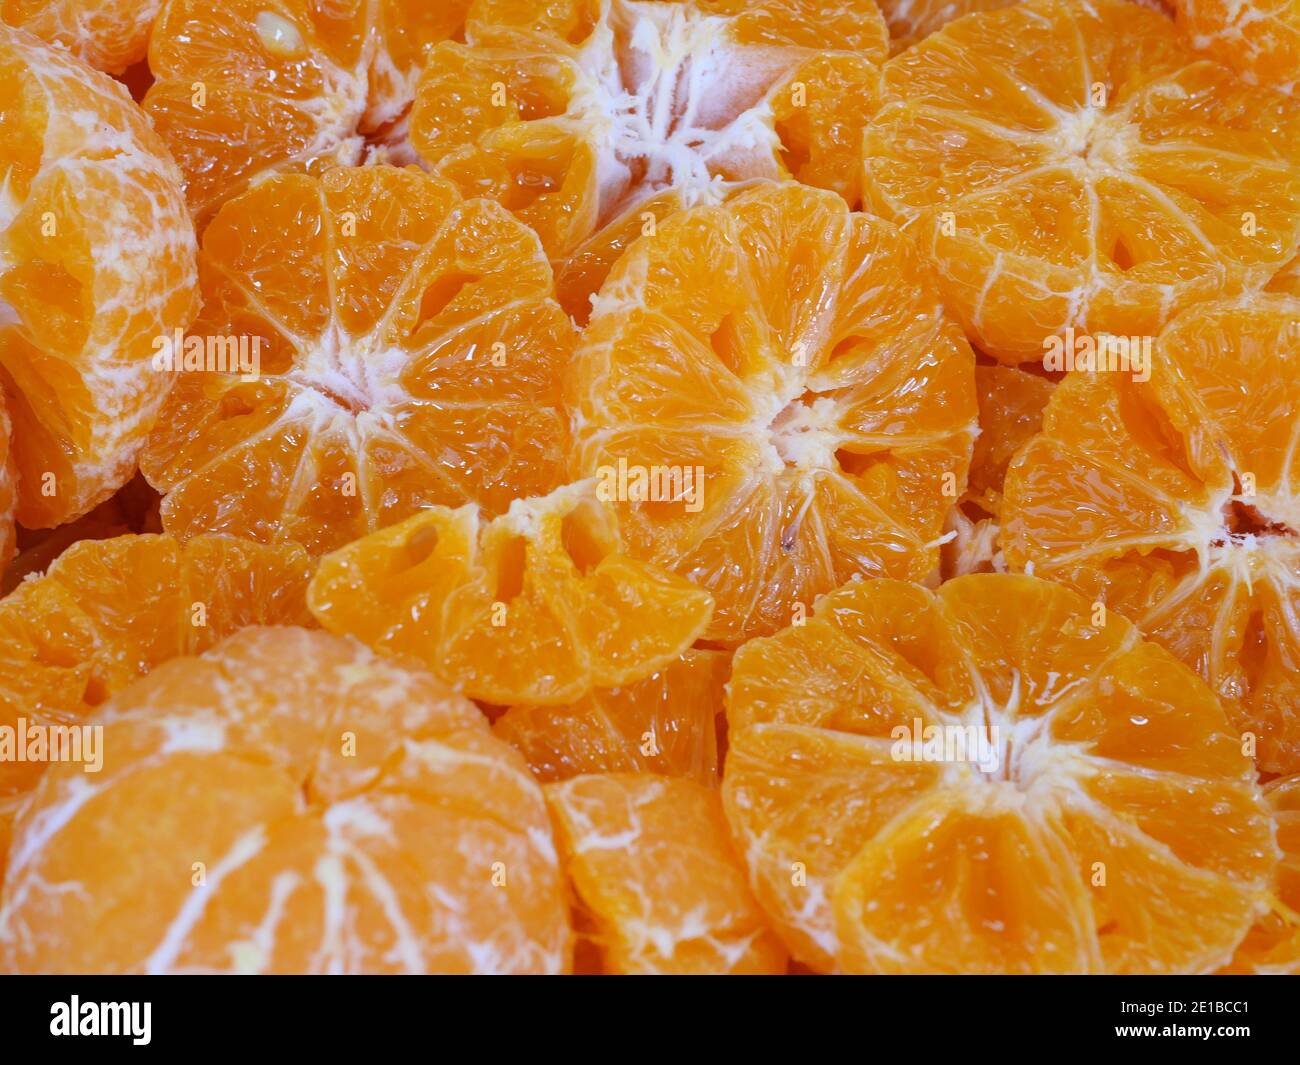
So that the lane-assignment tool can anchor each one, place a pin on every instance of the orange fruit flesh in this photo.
(911, 20)
(1273, 944)
(287, 803)
(1105, 178)
(110, 35)
(664, 723)
(655, 880)
(248, 89)
(1260, 39)
(1050, 829)
(775, 400)
(1173, 501)
(405, 349)
(109, 611)
(590, 120)
(96, 261)
(538, 606)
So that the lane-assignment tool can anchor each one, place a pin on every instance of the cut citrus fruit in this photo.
(1175, 502)
(666, 723)
(657, 886)
(1101, 176)
(772, 394)
(1287, 280)
(132, 509)
(96, 262)
(248, 88)
(1272, 947)
(989, 779)
(538, 606)
(1260, 39)
(911, 20)
(287, 803)
(8, 491)
(109, 611)
(1011, 406)
(410, 355)
(593, 119)
(110, 35)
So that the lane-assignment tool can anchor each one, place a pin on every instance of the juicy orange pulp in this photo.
(1176, 501)
(1098, 175)
(408, 354)
(538, 606)
(96, 263)
(592, 120)
(772, 395)
(988, 779)
(656, 885)
(286, 803)
(248, 88)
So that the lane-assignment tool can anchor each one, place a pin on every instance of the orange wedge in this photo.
(539, 606)
(657, 886)
(666, 723)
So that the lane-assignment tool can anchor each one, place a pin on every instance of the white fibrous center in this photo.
(351, 374)
(677, 102)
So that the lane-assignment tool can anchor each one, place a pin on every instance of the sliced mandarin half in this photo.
(538, 606)
(408, 355)
(1272, 947)
(657, 886)
(286, 803)
(96, 262)
(771, 393)
(109, 35)
(1098, 175)
(593, 119)
(988, 779)
(1176, 501)
(1260, 39)
(666, 723)
(248, 88)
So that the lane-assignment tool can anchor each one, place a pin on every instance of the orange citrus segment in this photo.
(666, 723)
(1174, 502)
(1011, 406)
(987, 779)
(586, 118)
(1273, 945)
(409, 354)
(110, 35)
(109, 611)
(8, 492)
(96, 262)
(1260, 39)
(1101, 177)
(657, 885)
(248, 88)
(287, 803)
(538, 606)
(910, 20)
(771, 393)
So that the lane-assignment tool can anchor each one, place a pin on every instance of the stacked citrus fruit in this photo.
(649, 486)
